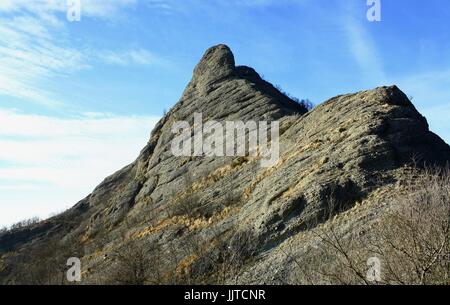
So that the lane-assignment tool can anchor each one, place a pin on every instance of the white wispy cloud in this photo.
(90, 8)
(364, 51)
(30, 55)
(35, 51)
(129, 57)
(49, 163)
(360, 43)
(429, 87)
(62, 159)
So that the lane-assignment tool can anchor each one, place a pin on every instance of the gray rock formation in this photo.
(194, 213)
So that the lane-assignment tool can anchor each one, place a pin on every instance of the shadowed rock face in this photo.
(343, 150)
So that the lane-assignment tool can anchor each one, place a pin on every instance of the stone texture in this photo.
(344, 149)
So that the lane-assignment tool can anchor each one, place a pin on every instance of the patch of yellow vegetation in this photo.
(184, 161)
(160, 226)
(184, 267)
(313, 145)
(219, 173)
(95, 254)
(323, 161)
(295, 188)
(85, 238)
(84, 273)
(266, 173)
(203, 222)
(190, 223)
(290, 192)
(348, 123)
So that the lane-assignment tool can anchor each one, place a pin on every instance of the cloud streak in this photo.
(90, 8)
(364, 52)
(62, 159)
(129, 57)
(30, 55)
(35, 52)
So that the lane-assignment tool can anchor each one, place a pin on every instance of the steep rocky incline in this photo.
(190, 207)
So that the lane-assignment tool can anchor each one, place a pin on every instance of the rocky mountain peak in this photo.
(216, 63)
(344, 151)
(223, 91)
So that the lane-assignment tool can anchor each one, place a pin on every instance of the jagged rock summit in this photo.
(218, 62)
(188, 213)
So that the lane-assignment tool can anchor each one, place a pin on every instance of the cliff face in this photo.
(192, 213)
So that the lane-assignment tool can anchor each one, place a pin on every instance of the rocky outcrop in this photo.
(341, 151)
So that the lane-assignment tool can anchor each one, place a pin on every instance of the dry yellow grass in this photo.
(188, 222)
(184, 266)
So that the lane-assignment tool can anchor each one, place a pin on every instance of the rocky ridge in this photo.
(192, 208)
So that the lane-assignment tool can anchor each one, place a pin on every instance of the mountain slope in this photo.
(193, 214)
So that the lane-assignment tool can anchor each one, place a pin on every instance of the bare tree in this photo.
(411, 239)
(45, 264)
(25, 223)
(135, 263)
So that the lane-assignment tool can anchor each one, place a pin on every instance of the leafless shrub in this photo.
(25, 223)
(133, 264)
(187, 205)
(231, 198)
(45, 264)
(187, 202)
(219, 261)
(304, 104)
(411, 239)
(230, 256)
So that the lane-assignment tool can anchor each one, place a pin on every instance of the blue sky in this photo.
(79, 99)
